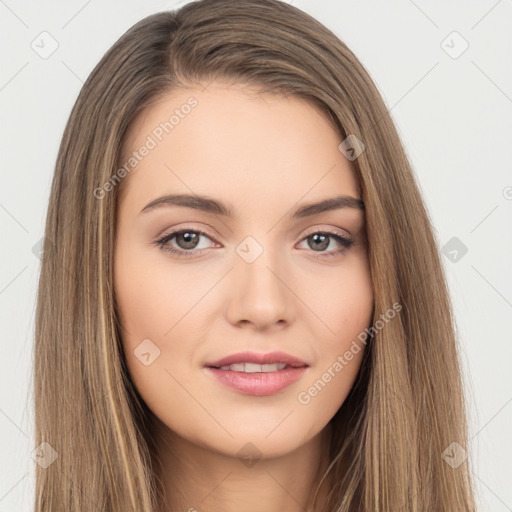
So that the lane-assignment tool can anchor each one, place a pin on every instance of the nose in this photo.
(260, 293)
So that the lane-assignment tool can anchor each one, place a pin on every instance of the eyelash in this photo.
(345, 243)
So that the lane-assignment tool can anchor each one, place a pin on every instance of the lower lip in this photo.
(258, 383)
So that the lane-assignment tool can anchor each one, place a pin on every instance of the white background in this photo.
(454, 116)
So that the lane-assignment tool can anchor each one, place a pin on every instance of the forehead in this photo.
(230, 141)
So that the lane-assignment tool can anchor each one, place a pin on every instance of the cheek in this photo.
(145, 307)
(148, 308)
(160, 314)
(343, 306)
(151, 298)
(340, 299)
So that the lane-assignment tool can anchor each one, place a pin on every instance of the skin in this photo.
(265, 155)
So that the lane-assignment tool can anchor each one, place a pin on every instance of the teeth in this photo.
(254, 368)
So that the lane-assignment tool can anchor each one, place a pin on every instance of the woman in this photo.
(241, 303)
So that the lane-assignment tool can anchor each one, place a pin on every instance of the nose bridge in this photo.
(257, 264)
(260, 294)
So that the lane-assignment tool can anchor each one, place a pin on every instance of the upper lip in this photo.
(254, 357)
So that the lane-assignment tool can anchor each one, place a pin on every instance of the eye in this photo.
(187, 241)
(318, 241)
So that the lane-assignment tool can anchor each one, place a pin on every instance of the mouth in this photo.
(257, 374)
(258, 368)
(253, 362)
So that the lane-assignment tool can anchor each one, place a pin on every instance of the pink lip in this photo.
(258, 383)
(261, 384)
(254, 357)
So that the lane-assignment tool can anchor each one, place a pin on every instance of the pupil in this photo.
(190, 239)
(324, 243)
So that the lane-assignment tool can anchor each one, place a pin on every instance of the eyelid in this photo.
(315, 229)
(188, 227)
(334, 232)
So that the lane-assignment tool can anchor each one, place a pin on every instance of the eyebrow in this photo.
(210, 205)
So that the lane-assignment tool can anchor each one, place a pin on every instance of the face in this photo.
(195, 284)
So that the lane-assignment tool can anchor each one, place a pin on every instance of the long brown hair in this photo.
(406, 407)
